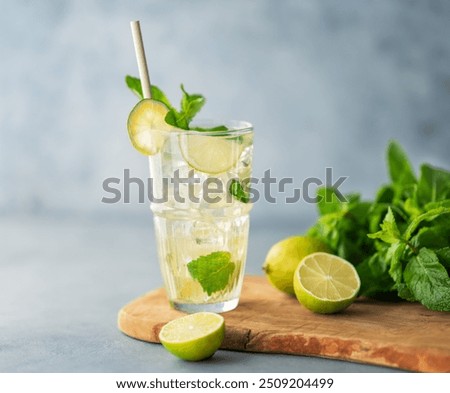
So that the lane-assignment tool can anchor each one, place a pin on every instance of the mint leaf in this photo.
(217, 128)
(444, 256)
(389, 232)
(357, 211)
(433, 185)
(428, 280)
(345, 233)
(135, 85)
(191, 104)
(435, 236)
(374, 276)
(237, 190)
(328, 201)
(394, 256)
(385, 194)
(434, 205)
(174, 118)
(400, 169)
(411, 207)
(158, 95)
(428, 216)
(326, 229)
(404, 292)
(212, 271)
(376, 215)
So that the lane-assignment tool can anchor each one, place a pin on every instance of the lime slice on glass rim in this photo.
(193, 337)
(325, 283)
(147, 127)
(210, 154)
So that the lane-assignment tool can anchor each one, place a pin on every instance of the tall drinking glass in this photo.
(201, 211)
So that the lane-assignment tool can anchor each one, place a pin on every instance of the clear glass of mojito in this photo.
(200, 202)
(198, 192)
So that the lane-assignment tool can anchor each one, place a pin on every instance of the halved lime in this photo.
(325, 283)
(210, 154)
(194, 337)
(146, 126)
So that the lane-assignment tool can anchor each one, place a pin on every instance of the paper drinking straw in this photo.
(140, 57)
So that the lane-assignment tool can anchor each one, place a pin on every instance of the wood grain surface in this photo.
(401, 335)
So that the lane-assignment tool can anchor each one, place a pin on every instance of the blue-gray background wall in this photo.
(326, 84)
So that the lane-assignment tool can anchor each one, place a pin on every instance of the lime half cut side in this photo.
(210, 154)
(147, 127)
(325, 283)
(194, 337)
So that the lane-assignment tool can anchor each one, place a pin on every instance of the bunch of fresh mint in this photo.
(400, 241)
(190, 105)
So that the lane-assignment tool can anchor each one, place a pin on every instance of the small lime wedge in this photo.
(325, 283)
(210, 154)
(194, 337)
(146, 126)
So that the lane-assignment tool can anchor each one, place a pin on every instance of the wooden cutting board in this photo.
(402, 335)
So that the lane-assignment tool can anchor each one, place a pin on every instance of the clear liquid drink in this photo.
(201, 214)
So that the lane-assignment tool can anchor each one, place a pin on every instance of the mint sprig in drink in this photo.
(200, 203)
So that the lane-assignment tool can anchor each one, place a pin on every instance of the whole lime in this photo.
(283, 258)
